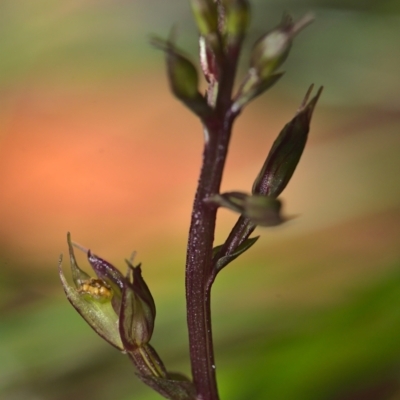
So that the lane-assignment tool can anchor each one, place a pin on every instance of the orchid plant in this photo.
(119, 307)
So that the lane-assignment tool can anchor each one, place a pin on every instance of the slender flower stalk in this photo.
(199, 264)
(199, 267)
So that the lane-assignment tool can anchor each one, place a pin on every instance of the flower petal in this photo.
(99, 314)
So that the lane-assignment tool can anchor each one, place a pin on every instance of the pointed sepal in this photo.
(260, 209)
(221, 262)
(92, 299)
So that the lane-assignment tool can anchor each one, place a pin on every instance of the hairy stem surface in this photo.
(199, 263)
(201, 237)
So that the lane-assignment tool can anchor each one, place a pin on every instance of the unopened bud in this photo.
(272, 49)
(206, 15)
(183, 77)
(237, 18)
(138, 311)
(286, 151)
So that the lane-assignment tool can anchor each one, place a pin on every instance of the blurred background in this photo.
(92, 142)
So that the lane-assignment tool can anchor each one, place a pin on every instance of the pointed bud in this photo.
(272, 49)
(138, 311)
(183, 77)
(237, 18)
(261, 210)
(206, 16)
(92, 299)
(286, 151)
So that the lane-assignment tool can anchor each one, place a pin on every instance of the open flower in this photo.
(119, 308)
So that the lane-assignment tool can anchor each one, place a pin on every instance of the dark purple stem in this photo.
(201, 235)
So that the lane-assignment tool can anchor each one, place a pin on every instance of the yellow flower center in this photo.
(97, 289)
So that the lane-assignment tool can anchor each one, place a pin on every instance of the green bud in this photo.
(183, 77)
(260, 209)
(237, 18)
(206, 16)
(286, 151)
(272, 49)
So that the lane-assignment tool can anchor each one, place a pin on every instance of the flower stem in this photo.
(217, 128)
(199, 264)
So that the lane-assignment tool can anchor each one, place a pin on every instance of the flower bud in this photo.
(286, 151)
(183, 77)
(138, 311)
(237, 18)
(206, 15)
(272, 49)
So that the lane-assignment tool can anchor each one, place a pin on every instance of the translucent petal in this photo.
(100, 315)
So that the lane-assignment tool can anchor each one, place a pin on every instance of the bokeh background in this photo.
(92, 142)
